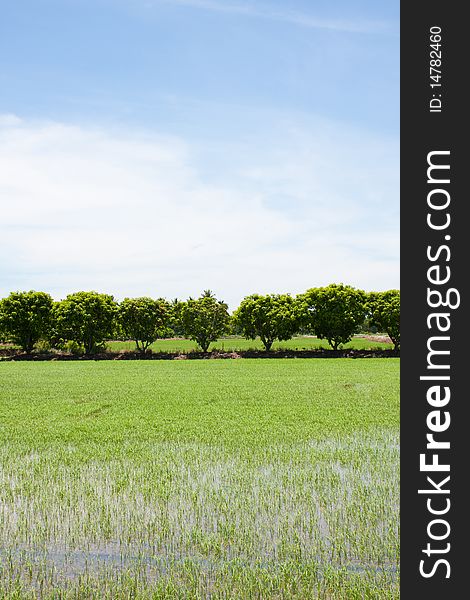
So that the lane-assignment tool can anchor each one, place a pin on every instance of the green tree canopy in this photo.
(142, 320)
(272, 317)
(204, 319)
(25, 317)
(86, 318)
(333, 312)
(384, 310)
(175, 324)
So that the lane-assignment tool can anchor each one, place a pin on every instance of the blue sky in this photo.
(161, 147)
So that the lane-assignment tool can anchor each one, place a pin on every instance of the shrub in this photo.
(87, 318)
(25, 317)
(334, 312)
(272, 317)
(384, 310)
(142, 320)
(204, 319)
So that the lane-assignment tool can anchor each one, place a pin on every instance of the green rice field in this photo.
(244, 479)
(233, 344)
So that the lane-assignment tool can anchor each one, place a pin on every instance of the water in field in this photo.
(101, 506)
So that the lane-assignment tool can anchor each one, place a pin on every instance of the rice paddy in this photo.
(234, 344)
(200, 479)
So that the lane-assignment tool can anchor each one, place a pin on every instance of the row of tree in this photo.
(88, 319)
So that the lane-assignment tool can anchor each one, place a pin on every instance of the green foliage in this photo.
(384, 309)
(142, 319)
(87, 318)
(334, 312)
(272, 317)
(174, 318)
(25, 317)
(43, 346)
(204, 319)
(72, 347)
(165, 330)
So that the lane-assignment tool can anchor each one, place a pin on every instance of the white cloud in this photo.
(132, 214)
(7, 120)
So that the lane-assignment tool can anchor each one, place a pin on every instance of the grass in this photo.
(238, 343)
(194, 479)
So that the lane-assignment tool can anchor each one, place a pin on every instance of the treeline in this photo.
(84, 321)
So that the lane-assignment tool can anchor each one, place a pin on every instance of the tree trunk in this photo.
(267, 344)
(89, 345)
(27, 345)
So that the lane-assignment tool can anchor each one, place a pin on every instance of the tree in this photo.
(175, 324)
(334, 312)
(142, 320)
(204, 319)
(86, 318)
(25, 317)
(384, 311)
(268, 317)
